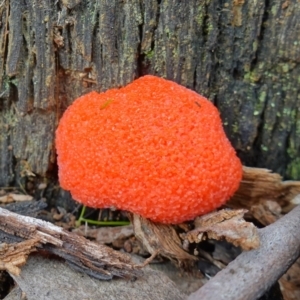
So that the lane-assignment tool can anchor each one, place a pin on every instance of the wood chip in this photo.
(15, 197)
(13, 256)
(224, 224)
(261, 185)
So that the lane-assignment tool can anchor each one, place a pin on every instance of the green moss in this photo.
(274, 10)
(285, 68)
(200, 15)
(293, 169)
(235, 128)
(149, 54)
(262, 96)
(287, 111)
(210, 28)
(260, 104)
(293, 114)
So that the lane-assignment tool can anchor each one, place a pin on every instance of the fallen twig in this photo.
(86, 256)
(252, 273)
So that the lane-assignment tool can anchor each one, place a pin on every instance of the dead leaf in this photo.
(224, 224)
(135, 246)
(15, 197)
(20, 197)
(6, 199)
(107, 235)
(160, 238)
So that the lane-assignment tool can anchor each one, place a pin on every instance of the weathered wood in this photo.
(261, 185)
(96, 260)
(243, 55)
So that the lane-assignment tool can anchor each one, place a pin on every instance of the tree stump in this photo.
(243, 55)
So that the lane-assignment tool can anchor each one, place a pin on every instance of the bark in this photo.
(243, 55)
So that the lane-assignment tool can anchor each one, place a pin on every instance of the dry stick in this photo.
(96, 260)
(252, 273)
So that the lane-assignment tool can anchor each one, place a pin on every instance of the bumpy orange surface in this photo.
(154, 148)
